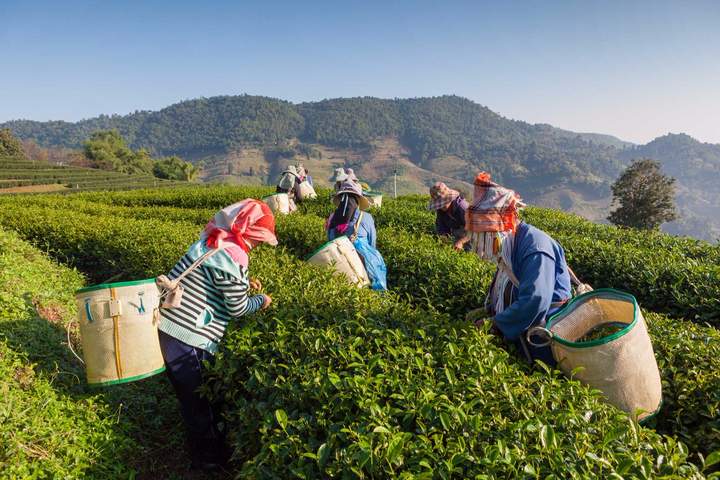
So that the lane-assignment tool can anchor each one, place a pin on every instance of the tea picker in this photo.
(449, 207)
(131, 330)
(530, 302)
(351, 247)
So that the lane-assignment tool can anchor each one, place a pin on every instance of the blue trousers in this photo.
(184, 368)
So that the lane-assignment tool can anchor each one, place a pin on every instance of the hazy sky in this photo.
(633, 69)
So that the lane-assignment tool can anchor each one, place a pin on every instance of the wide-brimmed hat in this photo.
(351, 174)
(291, 169)
(339, 176)
(441, 196)
(353, 189)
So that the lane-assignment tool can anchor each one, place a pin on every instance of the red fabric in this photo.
(246, 220)
(494, 208)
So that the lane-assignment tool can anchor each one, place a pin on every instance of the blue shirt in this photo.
(539, 263)
(453, 218)
(367, 228)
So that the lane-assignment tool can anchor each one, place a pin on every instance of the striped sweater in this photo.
(211, 299)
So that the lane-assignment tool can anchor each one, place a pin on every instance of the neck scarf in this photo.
(236, 224)
(343, 214)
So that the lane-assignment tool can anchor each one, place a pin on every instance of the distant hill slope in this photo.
(528, 156)
(696, 165)
(249, 139)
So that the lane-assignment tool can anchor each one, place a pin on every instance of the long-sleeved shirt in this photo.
(539, 263)
(366, 230)
(211, 299)
(452, 219)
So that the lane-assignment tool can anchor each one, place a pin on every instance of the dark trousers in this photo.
(184, 367)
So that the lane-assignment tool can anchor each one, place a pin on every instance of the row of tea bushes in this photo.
(337, 381)
(430, 274)
(676, 276)
(46, 429)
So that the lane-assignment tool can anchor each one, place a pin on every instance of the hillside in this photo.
(696, 165)
(249, 139)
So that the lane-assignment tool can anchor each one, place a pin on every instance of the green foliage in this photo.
(422, 270)
(678, 276)
(175, 168)
(45, 431)
(10, 146)
(529, 156)
(382, 390)
(645, 198)
(107, 150)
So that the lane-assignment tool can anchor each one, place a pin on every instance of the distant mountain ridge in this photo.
(446, 136)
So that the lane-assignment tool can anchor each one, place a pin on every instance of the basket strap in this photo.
(574, 278)
(508, 271)
(116, 336)
(354, 236)
(199, 261)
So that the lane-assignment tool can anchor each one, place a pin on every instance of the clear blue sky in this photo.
(635, 69)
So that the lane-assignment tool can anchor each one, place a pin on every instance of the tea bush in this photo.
(337, 381)
(46, 431)
(678, 276)
(428, 273)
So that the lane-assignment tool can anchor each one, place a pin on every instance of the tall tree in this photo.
(10, 146)
(644, 196)
(175, 168)
(108, 151)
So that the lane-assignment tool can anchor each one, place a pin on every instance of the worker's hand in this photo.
(477, 316)
(255, 284)
(266, 302)
(460, 243)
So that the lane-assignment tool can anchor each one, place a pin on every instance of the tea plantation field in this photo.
(20, 175)
(336, 382)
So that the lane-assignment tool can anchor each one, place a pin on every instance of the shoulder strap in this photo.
(508, 271)
(199, 262)
(354, 235)
(573, 278)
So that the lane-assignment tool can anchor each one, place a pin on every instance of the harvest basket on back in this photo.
(620, 363)
(118, 327)
(306, 191)
(375, 198)
(278, 203)
(341, 255)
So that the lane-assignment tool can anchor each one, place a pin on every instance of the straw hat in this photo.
(354, 189)
(291, 169)
(441, 196)
(339, 176)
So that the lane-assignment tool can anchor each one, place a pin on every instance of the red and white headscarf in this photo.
(236, 224)
(491, 221)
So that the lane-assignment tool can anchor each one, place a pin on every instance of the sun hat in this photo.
(291, 169)
(354, 189)
(441, 196)
(339, 176)
(351, 175)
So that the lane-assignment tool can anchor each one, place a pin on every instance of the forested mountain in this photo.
(438, 137)
(430, 128)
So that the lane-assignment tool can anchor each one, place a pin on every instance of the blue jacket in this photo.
(539, 264)
(367, 228)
